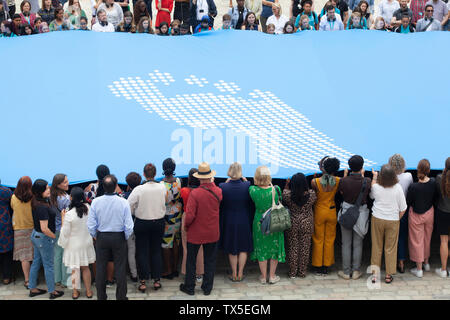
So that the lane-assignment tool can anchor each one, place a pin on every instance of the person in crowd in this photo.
(379, 24)
(127, 25)
(353, 4)
(270, 28)
(25, 29)
(43, 28)
(304, 24)
(251, 23)
(192, 184)
(60, 200)
(428, 23)
(299, 199)
(148, 4)
(352, 239)
(114, 12)
(133, 180)
(440, 9)
(340, 8)
(356, 21)
(185, 29)
(110, 224)
(331, 22)
(163, 29)
(277, 18)
(43, 239)
(386, 9)
(200, 8)
(84, 24)
(421, 196)
(294, 9)
(443, 216)
(6, 235)
(289, 28)
(181, 11)
(400, 12)
(22, 222)
(11, 4)
(405, 26)
(26, 15)
(164, 8)
(60, 24)
(397, 162)
(174, 29)
(4, 14)
(78, 246)
(418, 9)
(124, 4)
(388, 208)
(15, 25)
(312, 16)
(366, 16)
(325, 219)
(37, 24)
(5, 28)
(47, 12)
(204, 25)
(96, 189)
(74, 13)
(148, 204)
(171, 239)
(266, 13)
(144, 26)
(236, 215)
(268, 247)
(202, 228)
(254, 6)
(226, 22)
(140, 11)
(238, 14)
(445, 24)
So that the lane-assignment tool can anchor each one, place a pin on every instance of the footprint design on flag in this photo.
(262, 117)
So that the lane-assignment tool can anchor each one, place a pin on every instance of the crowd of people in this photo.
(74, 232)
(193, 16)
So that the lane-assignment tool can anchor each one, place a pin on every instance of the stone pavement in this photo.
(405, 287)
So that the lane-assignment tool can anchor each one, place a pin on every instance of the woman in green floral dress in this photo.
(271, 246)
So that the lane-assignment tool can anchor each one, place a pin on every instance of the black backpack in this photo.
(348, 218)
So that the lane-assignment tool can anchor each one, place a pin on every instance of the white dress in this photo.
(76, 241)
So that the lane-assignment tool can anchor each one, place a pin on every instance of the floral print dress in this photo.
(173, 213)
(269, 246)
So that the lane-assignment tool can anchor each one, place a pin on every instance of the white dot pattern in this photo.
(282, 134)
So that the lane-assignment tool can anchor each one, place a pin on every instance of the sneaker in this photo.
(356, 275)
(426, 267)
(109, 284)
(199, 279)
(343, 275)
(133, 279)
(274, 280)
(262, 280)
(441, 273)
(417, 273)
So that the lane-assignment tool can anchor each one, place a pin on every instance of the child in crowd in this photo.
(84, 24)
(379, 24)
(184, 29)
(355, 22)
(163, 29)
(144, 26)
(204, 25)
(226, 22)
(271, 28)
(288, 27)
(37, 24)
(405, 26)
(304, 24)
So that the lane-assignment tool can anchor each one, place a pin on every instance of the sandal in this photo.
(389, 279)
(239, 279)
(156, 285)
(89, 296)
(374, 278)
(26, 284)
(75, 297)
(232, 278)
(142, 287)
(7, 281)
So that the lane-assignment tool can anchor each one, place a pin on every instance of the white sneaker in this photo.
(417, 273)
(441, 273)
(426, 267)
(342, 275)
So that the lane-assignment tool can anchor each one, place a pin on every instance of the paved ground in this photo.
(405, 286)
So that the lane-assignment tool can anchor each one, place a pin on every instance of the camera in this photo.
(176, 31)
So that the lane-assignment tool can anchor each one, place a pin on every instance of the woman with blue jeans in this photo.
(43, 239)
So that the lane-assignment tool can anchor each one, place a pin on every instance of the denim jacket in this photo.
(234, 13)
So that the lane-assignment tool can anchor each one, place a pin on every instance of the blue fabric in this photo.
(403, 237)
(63, 202)
(6, 229)
(236, 217)
(110, 213)
(267, 10)
(213, 109)
(43, 255)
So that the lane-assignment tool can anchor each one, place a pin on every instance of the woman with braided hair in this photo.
(443, 215)
(325, 218)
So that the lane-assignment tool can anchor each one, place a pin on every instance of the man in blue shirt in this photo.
(110, 224)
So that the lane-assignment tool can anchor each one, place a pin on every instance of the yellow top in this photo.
(22, 217)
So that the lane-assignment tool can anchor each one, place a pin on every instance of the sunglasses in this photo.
(430, 10)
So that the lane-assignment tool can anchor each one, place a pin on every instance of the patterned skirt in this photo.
(23, 248)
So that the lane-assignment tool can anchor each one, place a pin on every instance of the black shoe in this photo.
(109, 284)
(185, 290)
(134, 279)
(34, 294)
(325, 270)
(175, 274)
(169, 276)
(206, 293)
(56, 295)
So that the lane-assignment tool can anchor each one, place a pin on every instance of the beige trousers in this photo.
(385, 232)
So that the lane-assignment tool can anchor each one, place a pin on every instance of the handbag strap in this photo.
(212, 192)
(273, 196)
(363, 188)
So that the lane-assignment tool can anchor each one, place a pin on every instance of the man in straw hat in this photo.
(202, 228)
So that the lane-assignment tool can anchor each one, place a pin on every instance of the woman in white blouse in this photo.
(114, 12)
(78, 246)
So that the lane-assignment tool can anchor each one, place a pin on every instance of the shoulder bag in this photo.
(348, 218)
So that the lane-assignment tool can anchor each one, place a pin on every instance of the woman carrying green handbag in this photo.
(271, 246)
